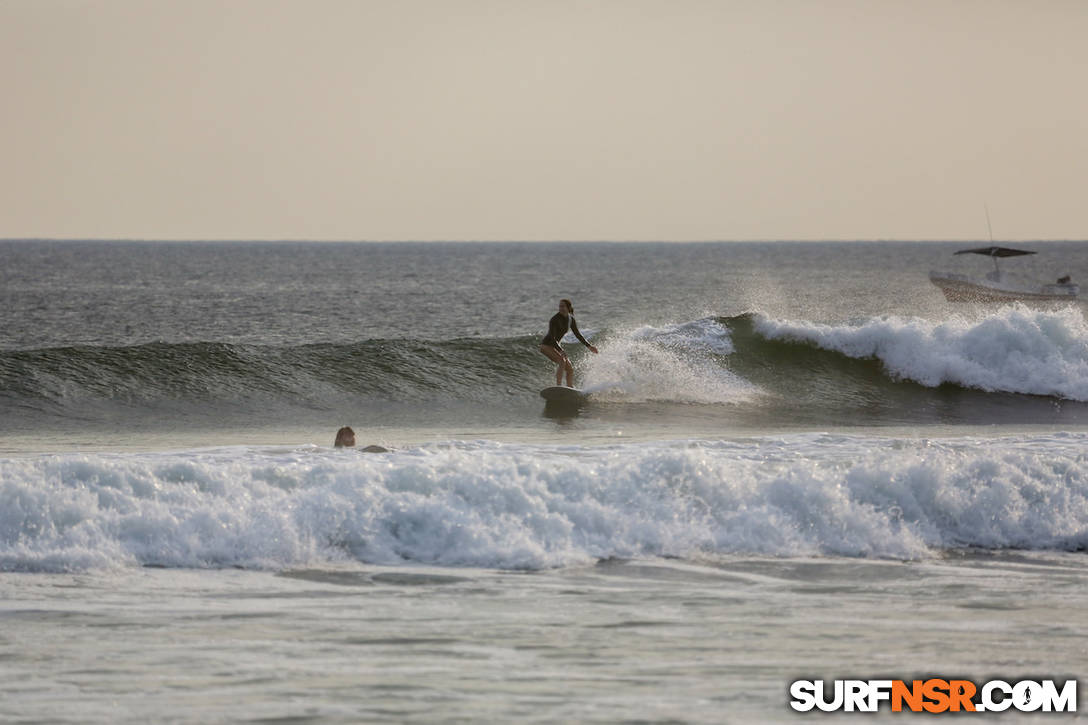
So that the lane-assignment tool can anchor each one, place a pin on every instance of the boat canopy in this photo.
(995, 252)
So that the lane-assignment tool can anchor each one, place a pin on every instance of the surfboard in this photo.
(560, 394)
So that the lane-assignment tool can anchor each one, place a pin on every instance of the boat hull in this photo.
(959, 288)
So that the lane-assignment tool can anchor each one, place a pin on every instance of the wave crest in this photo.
(1015, 350)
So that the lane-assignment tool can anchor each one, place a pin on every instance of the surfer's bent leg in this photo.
(560, 359)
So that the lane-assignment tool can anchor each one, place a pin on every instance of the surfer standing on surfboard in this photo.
(558, 326)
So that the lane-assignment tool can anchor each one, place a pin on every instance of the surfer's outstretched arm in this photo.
(574, 329)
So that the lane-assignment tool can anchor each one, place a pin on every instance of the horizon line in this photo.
(241, 240)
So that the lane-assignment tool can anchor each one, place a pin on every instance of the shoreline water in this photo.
(616, 641)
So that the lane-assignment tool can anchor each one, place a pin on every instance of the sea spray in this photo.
(681, 363)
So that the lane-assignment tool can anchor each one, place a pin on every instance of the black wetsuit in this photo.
(557, 328)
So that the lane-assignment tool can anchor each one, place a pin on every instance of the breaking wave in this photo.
(1015, 350)
(502, 506)
(877, 370)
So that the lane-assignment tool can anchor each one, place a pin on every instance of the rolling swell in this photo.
(91, 381)
(1013, 365)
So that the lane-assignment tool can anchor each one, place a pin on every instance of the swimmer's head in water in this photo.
(345, 438)
(565, 305)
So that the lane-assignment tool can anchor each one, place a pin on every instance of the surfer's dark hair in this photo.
(570, 307)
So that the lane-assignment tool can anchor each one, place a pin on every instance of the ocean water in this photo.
(798, 461)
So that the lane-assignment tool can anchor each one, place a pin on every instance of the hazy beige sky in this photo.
(540, 120)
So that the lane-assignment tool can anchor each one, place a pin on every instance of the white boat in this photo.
(999, 287)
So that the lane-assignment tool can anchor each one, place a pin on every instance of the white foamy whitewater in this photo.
(1015, 350)
(518, 506)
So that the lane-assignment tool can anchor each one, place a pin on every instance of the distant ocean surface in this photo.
(798, 460)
